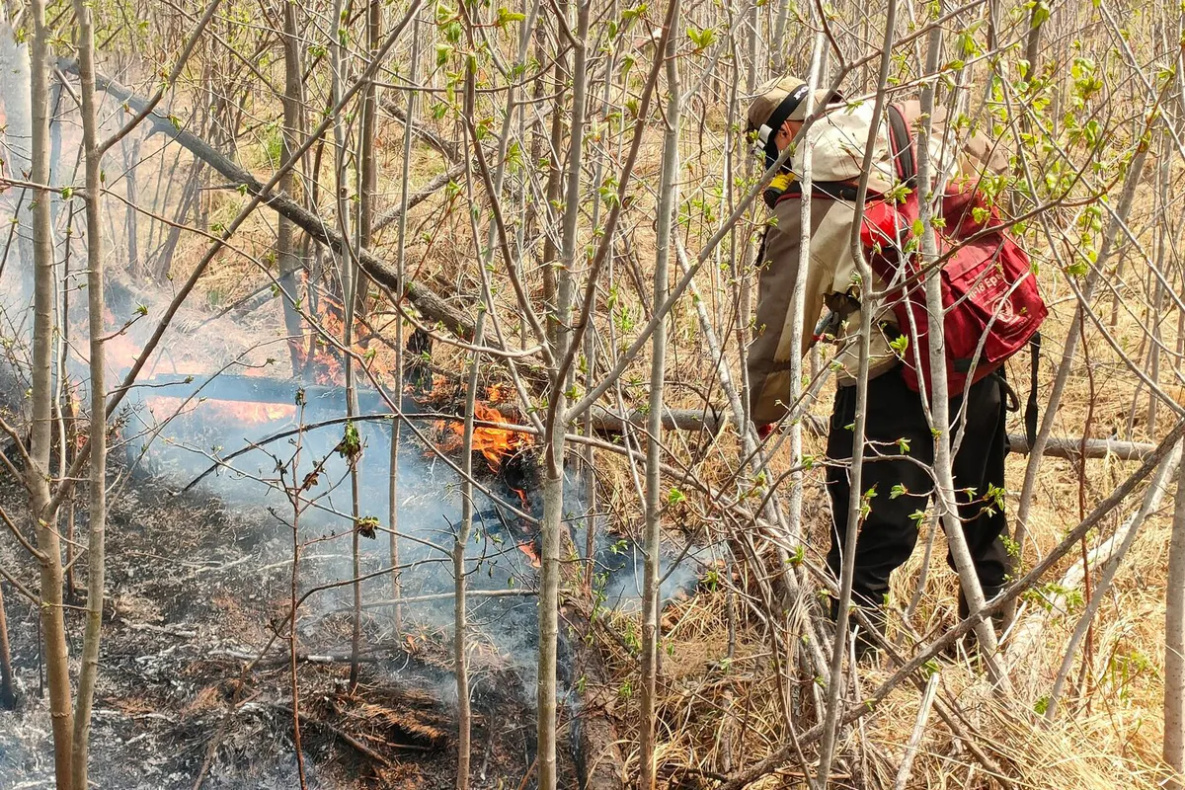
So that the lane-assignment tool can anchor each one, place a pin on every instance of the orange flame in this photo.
(493, 443)
(528, 547)
(243, 413)
(522, 496)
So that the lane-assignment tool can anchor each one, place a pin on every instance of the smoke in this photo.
(623, 566)
(428, 509)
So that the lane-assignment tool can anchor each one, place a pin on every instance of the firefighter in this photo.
(899, 449)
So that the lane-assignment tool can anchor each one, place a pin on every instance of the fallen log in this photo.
(712, 419)
(594, 738)
(1095, 448)
(260, 389)
(237, 388)
(431, 305)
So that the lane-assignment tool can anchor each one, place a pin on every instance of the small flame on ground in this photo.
(527, 547)
(243, 413)
(493, 443)
(522, 495)
(323, 362)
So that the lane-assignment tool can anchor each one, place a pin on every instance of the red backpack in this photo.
(992, 307)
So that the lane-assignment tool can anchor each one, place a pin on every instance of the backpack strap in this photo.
(1031, 407)
(901, 149)
(901, 144)
(827, 190)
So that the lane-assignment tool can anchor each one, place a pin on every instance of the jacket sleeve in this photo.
(770, 352)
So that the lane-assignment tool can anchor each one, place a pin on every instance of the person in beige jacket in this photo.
(899, 444)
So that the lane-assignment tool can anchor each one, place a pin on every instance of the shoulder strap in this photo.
(828, 190)
(901, 141)
(1034, 373)
(902, 149)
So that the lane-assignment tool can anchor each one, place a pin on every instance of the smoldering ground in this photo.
(199, 584)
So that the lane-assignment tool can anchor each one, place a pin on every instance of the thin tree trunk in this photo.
(295, 492)
(460, 618)
(350, 284)
(7, 688)
(286, 247)
(191, 197)
(397, 384)
(1174, 645)
(798, 298)
(855, 500)
(41, 436)
(1162, 240)
(1073, 334)
(367, 163)
(919, 732)
(553, 480)
(131, 156)
(1151, 500)
(97, 506)
(939, 393)
(668, 202)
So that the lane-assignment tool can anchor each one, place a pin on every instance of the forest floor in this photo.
(195, 587)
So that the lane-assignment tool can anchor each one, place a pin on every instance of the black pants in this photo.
(890, 530)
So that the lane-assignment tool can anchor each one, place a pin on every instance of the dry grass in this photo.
(721, 712)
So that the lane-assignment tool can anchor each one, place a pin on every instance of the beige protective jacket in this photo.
(839, 138)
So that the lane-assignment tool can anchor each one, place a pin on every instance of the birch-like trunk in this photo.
(1174, 645)
(397, 382)
(1151, 500)
(798, 299)
(350, 276)
(553, 479)
(856, 498)
(668, 201)
(1073, 335)
(97, 506)
(41, 437)
(944, 483)
(286, 248)
(460, 616)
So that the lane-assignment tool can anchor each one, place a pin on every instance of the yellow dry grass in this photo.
(721, 712)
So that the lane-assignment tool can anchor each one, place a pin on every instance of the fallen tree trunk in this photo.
(259, 389)
(431, 305)
(594, 738)
(712, 419)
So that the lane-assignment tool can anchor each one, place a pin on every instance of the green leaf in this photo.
(366, 526)
(506, 16)
(1040, 13)
(701, 37)
(350, 446)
